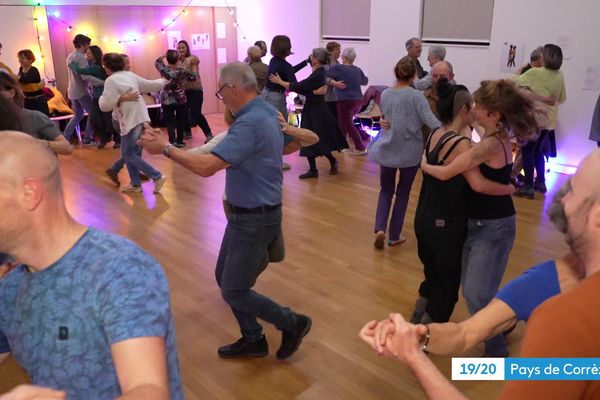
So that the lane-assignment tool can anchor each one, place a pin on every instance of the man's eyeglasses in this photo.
(218, 94)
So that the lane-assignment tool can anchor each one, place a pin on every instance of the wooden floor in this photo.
(331, 272)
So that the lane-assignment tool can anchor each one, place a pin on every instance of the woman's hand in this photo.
(275, 78)
(129, 95)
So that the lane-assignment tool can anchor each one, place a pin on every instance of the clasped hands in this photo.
(394, 337)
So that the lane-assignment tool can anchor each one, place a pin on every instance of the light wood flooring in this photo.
(331, 272)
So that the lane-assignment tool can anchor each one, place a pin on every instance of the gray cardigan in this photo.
(401, 146)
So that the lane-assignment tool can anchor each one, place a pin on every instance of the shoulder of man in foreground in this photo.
(563, 326)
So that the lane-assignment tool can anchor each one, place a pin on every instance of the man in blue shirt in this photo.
(251, 153)
(86, 312)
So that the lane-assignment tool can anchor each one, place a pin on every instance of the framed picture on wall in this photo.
(173, 37)
(200, 41)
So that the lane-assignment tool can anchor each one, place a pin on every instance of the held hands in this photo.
(29, 392)
(395, 338)
(152, 140)
(424, 163)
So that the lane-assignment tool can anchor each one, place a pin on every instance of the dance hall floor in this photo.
(331, 272)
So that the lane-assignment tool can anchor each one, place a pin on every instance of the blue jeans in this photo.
(277, 100)
(242, 258)
(131, 154)
(80, 105)
(484, 259)
(387, 179)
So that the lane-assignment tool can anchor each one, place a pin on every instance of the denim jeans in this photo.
(277, 100)
(485, 255)
(247, 240)
(533, 158)
(131, 154)
(80, 105)
(387, 179)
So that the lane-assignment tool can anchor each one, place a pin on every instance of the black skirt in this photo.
(317, 117)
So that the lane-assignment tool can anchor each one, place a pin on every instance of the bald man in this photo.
(87, 311)
(259, 68)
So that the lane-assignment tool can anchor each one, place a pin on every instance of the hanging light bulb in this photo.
(69, 29)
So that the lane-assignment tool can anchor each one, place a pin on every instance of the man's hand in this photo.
(29, 392)
(152, 140)
(275, 78)
(384, 123)
(337, 84)
(402, 340)
(129, 95)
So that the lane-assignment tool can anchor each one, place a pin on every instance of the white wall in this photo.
(17, 32)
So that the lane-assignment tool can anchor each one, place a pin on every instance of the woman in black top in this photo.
(500, 108)
(31, 83)
(281, 47)
(441, 216)
(316, 115)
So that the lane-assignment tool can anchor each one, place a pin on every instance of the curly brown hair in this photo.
(518, 112)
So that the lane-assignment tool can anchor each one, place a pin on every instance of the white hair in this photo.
(238, 74)
(349, 54)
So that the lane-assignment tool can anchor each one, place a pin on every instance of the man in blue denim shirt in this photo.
(251, 153)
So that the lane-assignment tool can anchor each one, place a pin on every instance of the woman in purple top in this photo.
(349, 99)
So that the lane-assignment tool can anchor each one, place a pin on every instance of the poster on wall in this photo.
(200, 41)
(173, 37)
(592, 78)
(221, 30)
(511, 57)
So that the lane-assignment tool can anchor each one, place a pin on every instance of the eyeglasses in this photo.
(218, 94)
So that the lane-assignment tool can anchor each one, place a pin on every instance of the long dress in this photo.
(317, 117)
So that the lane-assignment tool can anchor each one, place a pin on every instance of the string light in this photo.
(39, 40)
(235, 23)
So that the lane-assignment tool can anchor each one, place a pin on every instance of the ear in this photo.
(33, 193)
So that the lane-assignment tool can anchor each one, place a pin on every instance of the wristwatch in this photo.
(165, 149)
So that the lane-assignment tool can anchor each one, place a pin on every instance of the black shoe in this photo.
(102, 144)
(540, 187)
(242, 348)
(334, 168)
(291, 340)
(525, 191)
(179, 145)
(89, 142)
(187, 135)
(209, 137)
(309, 174)
(114, 177)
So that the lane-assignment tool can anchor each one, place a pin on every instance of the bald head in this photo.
(22, 157)
(254, 53)
(441, 69)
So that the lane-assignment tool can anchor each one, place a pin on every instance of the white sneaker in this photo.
(131, 189)
(158, 183)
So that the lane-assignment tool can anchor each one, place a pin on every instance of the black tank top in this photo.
(443, 199)
(483, 206)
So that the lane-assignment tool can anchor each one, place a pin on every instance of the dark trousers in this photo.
(346, 109)
(102, 123)
(387, 179)
(245, 246)
(440, 242)
(195, 98)
(37, 103)
(333, 108)
(175, 117)
(533, 158)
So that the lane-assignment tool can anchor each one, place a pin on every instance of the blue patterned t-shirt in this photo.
(59, 323)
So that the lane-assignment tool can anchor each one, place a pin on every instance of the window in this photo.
(457, 21)
(346, 20)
